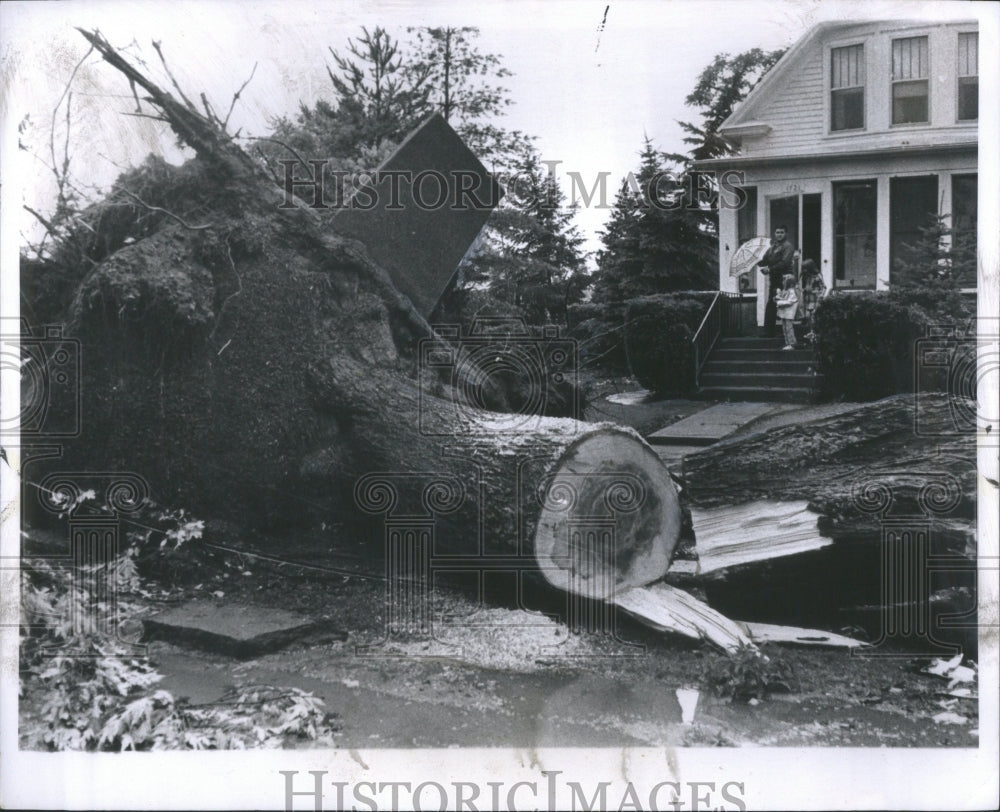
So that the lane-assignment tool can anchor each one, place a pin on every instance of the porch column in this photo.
(882, 233)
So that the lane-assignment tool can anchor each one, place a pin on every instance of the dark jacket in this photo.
(779, 260)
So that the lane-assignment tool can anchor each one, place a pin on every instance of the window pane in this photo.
(909, 102)
(848, 109)
(909, 58)
(746, 228)
(964, 220)
(968, 54)
(913, 205)
(847, 67)
(968, 98)
(854, 234)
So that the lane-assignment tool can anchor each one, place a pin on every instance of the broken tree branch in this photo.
(170, 214)
(170, 73)
(236, 95)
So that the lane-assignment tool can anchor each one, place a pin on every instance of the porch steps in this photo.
(757, 369)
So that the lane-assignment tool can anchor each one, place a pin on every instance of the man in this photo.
(778, 261)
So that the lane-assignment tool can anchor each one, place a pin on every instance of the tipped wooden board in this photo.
(669, 609)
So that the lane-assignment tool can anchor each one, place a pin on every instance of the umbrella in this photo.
(748, 255)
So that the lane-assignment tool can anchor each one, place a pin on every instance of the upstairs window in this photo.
(910, 88)
(847, 88)
(968, 77)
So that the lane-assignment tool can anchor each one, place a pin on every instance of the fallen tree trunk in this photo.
(260, 369)
(589, 505)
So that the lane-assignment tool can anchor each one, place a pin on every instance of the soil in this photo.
(503, 676)
(504, 670)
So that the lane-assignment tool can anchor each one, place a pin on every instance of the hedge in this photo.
(865, 345)
(649, 337)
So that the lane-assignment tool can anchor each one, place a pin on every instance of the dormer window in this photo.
(910, 88)
(968, 77)
(847, 88)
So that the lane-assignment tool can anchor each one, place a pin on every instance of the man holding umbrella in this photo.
(778, 261)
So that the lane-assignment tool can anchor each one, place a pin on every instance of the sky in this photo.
(589, 94)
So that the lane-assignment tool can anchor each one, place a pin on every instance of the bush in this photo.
(748, 674)
(658, 336)
(648, 337)
(865, 345)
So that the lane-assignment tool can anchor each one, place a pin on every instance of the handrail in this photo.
(707, 333)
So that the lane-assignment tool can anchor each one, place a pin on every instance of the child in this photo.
(813, 290)
(787, 301)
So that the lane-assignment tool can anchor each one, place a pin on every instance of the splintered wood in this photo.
(669, 609)
(740, 534)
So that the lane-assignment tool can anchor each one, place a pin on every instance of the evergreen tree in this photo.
(531, 258)
(721, 86)
(933, 270)
(660, 236)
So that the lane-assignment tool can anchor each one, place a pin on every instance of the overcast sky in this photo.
(588, 95)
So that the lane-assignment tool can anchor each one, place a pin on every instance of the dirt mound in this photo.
(200, 340)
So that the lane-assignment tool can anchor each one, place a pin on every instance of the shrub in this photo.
(865, 345)
(658, 336)
(648, 337)
(748, 674)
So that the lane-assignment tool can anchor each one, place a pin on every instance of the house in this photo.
(858, 134)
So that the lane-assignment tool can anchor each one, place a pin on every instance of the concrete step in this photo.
(763, 367)
(751, 342)
(743, 354)
(765, 394)
(756, 379)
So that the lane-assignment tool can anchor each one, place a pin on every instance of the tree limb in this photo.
(170, 214)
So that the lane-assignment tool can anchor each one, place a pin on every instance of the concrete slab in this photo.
(239, 631)
(712, 424)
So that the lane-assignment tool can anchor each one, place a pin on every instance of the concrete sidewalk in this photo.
(709, 426)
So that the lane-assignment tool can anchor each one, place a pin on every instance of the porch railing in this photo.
(725, 316)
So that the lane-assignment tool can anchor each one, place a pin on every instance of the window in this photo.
(968, 77)
(847, 88)
(910, 69)
(913, 206)
(746, 228)
(855, 205)
(964, 219)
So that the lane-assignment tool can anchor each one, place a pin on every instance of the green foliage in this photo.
(658, 332)
(748, 674)
(658, 238)
(933, 271)
(721, 86)
(865, 344)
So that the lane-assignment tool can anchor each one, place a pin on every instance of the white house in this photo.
(859, 133)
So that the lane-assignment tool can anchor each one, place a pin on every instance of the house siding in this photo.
(798, 106)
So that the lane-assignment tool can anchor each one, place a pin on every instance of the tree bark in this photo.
(588, 505)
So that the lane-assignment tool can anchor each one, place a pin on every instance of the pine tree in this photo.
(531, 259)
(660, 238)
